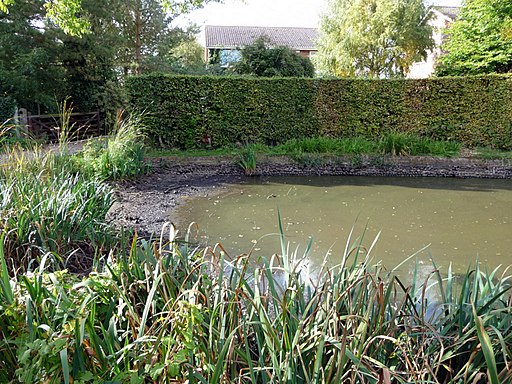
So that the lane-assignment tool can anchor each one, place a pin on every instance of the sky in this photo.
(270, 13)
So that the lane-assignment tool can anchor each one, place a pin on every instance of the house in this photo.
(441, 18)
(223, 43)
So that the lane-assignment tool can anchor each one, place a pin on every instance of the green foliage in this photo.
(400, 144)
(7, 109)
(326, 145)
(53, 205)
(248, 160)
(376, 38)
(480, 40)
(66, 14)
(186, 111)
(47, 207)
(119, 156)
(4, 4)
(163, 312)
(69, 14)
(190, 112)
(188, 57)
(491, 153)
(396, 144)
(261, 59)
(30, 69)
(39, 65)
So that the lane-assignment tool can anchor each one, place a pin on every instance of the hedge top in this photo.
(189, 111)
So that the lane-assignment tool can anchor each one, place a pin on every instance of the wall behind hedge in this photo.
(188, 111)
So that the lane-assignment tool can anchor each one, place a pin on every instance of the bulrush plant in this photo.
(48, 207)
(119, 156)
(247, 160)
(166, 312)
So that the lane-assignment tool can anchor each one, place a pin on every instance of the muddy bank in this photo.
(147, 203)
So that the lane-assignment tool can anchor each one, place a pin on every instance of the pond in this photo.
(451, 220)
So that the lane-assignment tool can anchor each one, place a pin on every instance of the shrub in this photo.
(262, 59)
(7, 108)
(182, 110)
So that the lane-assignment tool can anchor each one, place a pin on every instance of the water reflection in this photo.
(451, 220)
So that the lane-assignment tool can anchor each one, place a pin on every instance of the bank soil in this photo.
(146, 203)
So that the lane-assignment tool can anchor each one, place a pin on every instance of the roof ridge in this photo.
(255, 26)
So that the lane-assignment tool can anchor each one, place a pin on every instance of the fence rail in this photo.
(79, 126)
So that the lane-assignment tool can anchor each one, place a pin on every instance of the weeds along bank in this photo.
(162, 311)
(54, 204)
(198, 111)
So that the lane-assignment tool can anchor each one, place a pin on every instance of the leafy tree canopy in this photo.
(68, 14)
(373, 38)
(40, 64)
(260, 59)
(188, 57)
(480, 40)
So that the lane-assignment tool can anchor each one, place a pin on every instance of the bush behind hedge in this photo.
(7, 108)
(191, 111)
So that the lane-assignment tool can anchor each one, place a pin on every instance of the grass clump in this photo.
(47, 207)
(402, 144)
(247, 160)
(119, 156)
(165, 312)
(395, 144)
(326, 145)
(492, 154)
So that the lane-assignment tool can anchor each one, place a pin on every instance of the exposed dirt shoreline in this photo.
(146, 203)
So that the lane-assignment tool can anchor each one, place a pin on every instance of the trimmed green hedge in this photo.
(188, 111)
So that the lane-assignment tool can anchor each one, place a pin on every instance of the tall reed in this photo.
(119, 156)
(46, 206)
(167, 312)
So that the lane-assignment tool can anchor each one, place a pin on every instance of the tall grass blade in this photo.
(487, 349)
(65, 365)
(147, 307)
(5, 281)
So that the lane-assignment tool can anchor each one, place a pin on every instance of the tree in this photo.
(30, 64)
(480, 40)
(259, 59)
(147, 35)
(373, 38)
(188, 57)
(68, 14)
(40, 64)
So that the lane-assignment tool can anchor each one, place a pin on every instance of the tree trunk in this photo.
(138, 59)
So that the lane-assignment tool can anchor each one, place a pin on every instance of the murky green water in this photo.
(457, 220)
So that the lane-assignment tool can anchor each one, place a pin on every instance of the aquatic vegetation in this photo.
(165, 311)
(46, 207)
(119, 156)
(247, 160)
(54, 204)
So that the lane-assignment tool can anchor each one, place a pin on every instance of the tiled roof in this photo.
(451, 12)
(239, 36)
